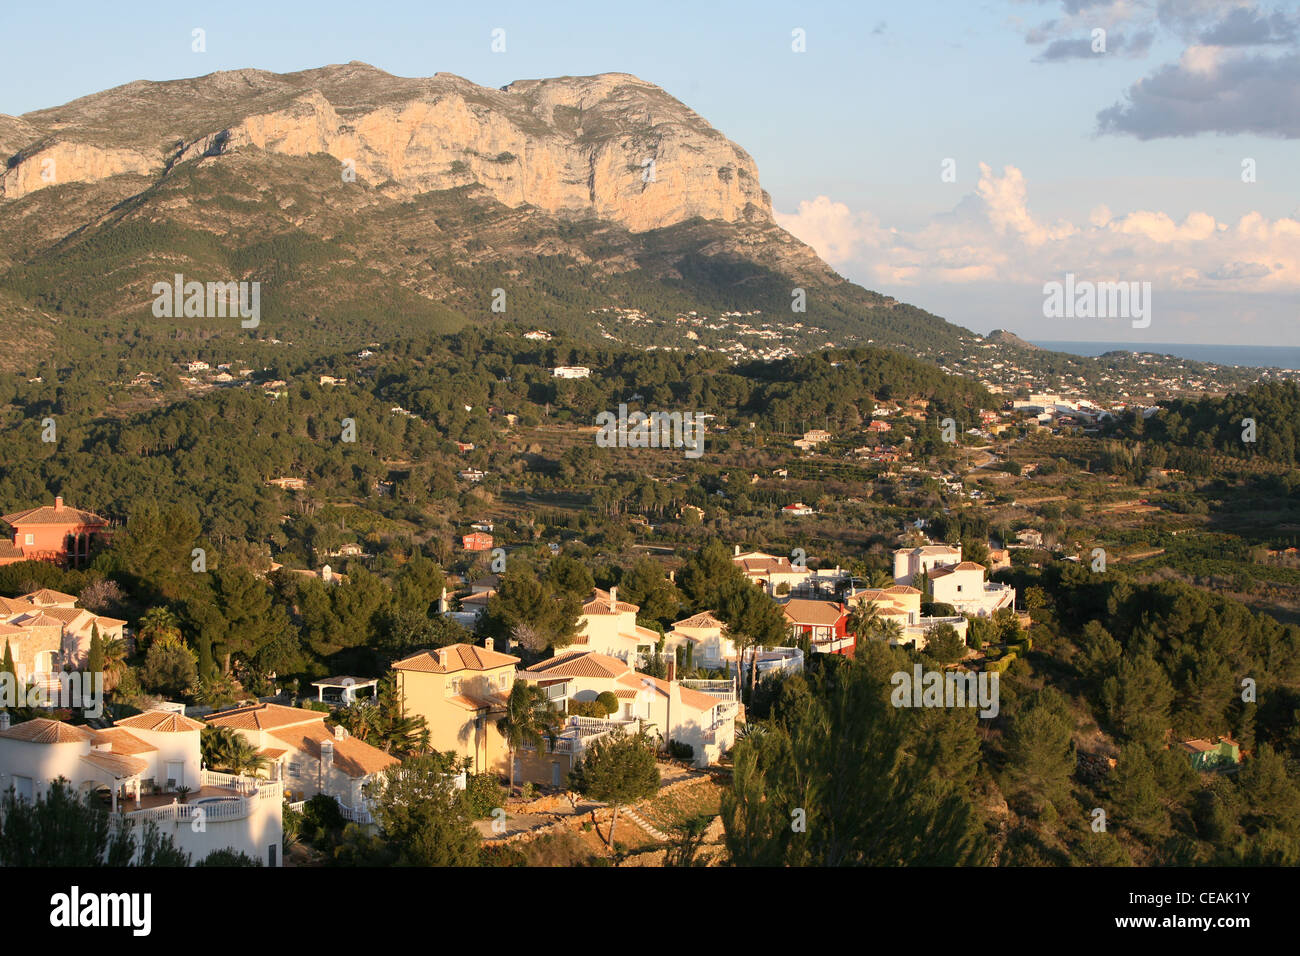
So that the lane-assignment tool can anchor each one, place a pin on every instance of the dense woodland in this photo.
(1119, 666)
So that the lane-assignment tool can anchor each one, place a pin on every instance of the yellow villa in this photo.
(461, 692)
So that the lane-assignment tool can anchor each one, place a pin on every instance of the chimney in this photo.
(340, 733)
(489, 644)
(442, 657)
(58, 502)
(326, 573)
(613, 598)
(736, 553)
(442, 602)
(4, 720)
(326, 756)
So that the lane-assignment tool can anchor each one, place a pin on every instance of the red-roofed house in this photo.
(770, 571)
(55, 532)
(476, 541)
(46, 633)
(824, 623)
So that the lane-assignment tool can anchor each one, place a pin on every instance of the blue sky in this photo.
(849, 135)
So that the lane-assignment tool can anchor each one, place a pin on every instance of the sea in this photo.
(1246, 356)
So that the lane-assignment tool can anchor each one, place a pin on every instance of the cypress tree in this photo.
(95, 658)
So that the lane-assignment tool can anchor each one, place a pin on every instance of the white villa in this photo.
(707, 637)
(770, 571)
(963, 586)
(909, 562)
(46, 631)
(666, 708)
(902, 603)
(143, 767)
(608, 626)
(308, 756)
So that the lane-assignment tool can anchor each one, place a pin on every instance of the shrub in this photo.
(228, 857)
(321, 815)
(1001, 664)
(608, 703)
(680, 751)
(483, 793)
(937, 609)
(587, 708)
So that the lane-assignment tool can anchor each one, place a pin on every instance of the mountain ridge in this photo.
(572, 146)
(459, 190)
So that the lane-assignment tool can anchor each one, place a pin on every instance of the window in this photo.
(452, 687)
(29, 539)
(270, 854)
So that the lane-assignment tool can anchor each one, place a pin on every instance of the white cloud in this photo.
(993, 237)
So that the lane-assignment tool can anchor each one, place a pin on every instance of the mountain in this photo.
(1003, 337)
(367, 204)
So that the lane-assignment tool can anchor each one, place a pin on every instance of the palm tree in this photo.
(863, 620)
(154, 623)
(225, 750)
(890, 630)
(528, 718)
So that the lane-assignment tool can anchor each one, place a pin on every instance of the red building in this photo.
(58, 533)
(478, 541)
(824, 623)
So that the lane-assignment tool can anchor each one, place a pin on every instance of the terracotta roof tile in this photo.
(356, 758)
(263, 717)
(119, 765)
(459, 657)
(580, 664)
(161, 721)
(821, 613)
(48, 514)
(703, 619)
(599, 603)
(48, 596)
(124, 742)
(42, 730)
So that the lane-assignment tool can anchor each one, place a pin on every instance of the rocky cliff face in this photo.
(611, 146)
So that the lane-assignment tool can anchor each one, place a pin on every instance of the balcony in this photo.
(579, 733)
(833, 645)
(721, 689)
(215, 799)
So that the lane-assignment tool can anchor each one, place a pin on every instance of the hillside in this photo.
(541, 189)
